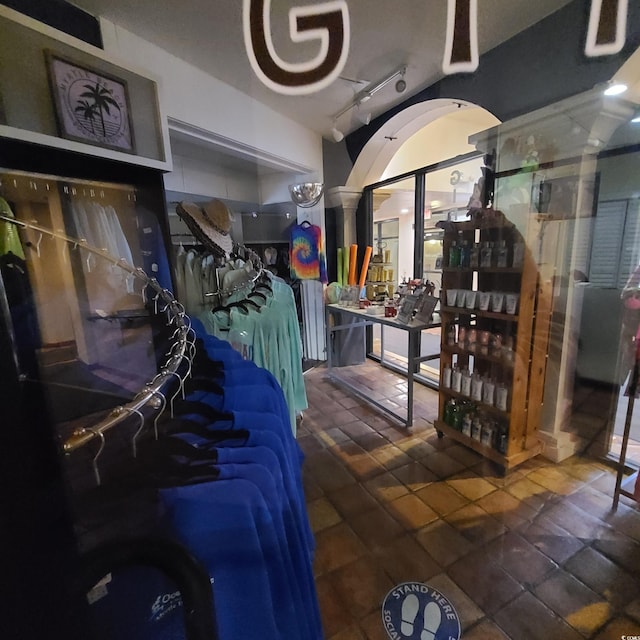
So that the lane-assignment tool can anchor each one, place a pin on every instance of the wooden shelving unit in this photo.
(522, 369)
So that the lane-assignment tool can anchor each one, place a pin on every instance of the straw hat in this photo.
(210, 224)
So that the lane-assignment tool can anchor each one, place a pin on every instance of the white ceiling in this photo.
(384, 35)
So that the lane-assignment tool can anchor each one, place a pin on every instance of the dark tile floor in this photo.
(537, 554)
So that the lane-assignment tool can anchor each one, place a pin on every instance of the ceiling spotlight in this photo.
(374, 87)
(636, 118)
(615, 89)
(364, 116)
(338, 136)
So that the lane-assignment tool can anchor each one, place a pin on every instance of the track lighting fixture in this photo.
(363, 116)
(366, 94)
(401, 85)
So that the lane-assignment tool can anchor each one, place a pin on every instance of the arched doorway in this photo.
(425, 135)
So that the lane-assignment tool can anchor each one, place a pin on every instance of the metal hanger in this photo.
(140, 428)
(94, 462)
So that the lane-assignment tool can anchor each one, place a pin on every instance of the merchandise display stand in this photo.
(413, 329)
(493, 341)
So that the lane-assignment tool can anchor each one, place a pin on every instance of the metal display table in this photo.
(414, 336)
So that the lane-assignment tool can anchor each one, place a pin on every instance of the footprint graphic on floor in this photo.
(410, 608)
(432, 620)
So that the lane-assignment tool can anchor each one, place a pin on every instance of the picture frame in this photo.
(91, 106)
(425, 307)
(407, 307)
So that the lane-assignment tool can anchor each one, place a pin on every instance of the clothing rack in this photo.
(151, 395)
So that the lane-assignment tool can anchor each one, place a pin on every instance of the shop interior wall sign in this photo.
(328, 23)
(90, 106)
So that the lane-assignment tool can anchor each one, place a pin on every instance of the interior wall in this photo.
(196, 176)
(191, 96)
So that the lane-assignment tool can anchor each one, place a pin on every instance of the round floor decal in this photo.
(417, 611)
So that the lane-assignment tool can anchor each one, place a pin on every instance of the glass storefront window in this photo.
(574, 199)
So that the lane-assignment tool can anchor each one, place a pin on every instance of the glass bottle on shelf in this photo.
(446, 376)
(486, 254)
(451, 334)
(458, 415)
(502, 394)
(488, 391)
(454, 255)
(449, 410)
(487, 434)
(501, 440)
(465, 383)
(474, 255)
(476, 427)
(476, 387)
(467, 423)
(518, 254)
(456, 379)
(464, 254)
(501, 254)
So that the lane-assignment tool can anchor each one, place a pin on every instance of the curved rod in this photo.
(83, 435)
(176, 562)
(81, 242)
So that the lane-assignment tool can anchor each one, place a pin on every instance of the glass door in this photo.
(392, 262)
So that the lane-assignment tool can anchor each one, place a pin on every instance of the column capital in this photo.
(345, 197)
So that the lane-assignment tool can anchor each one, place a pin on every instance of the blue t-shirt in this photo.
(248, 462)
(221, 523)
(262, 425)
(290, 599)
(194, 509)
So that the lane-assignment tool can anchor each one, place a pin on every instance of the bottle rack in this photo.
(516, 344)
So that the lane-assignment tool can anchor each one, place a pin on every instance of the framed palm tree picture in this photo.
(90, 106)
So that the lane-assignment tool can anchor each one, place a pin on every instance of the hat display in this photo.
(210, 224)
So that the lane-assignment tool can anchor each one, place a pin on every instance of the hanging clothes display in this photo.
(9, 237)
(100, 226)
(307, 254)
(239, 302)
(261, 321)
(219, 472)
(227, 471)
(15, 279)
(195, 277)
